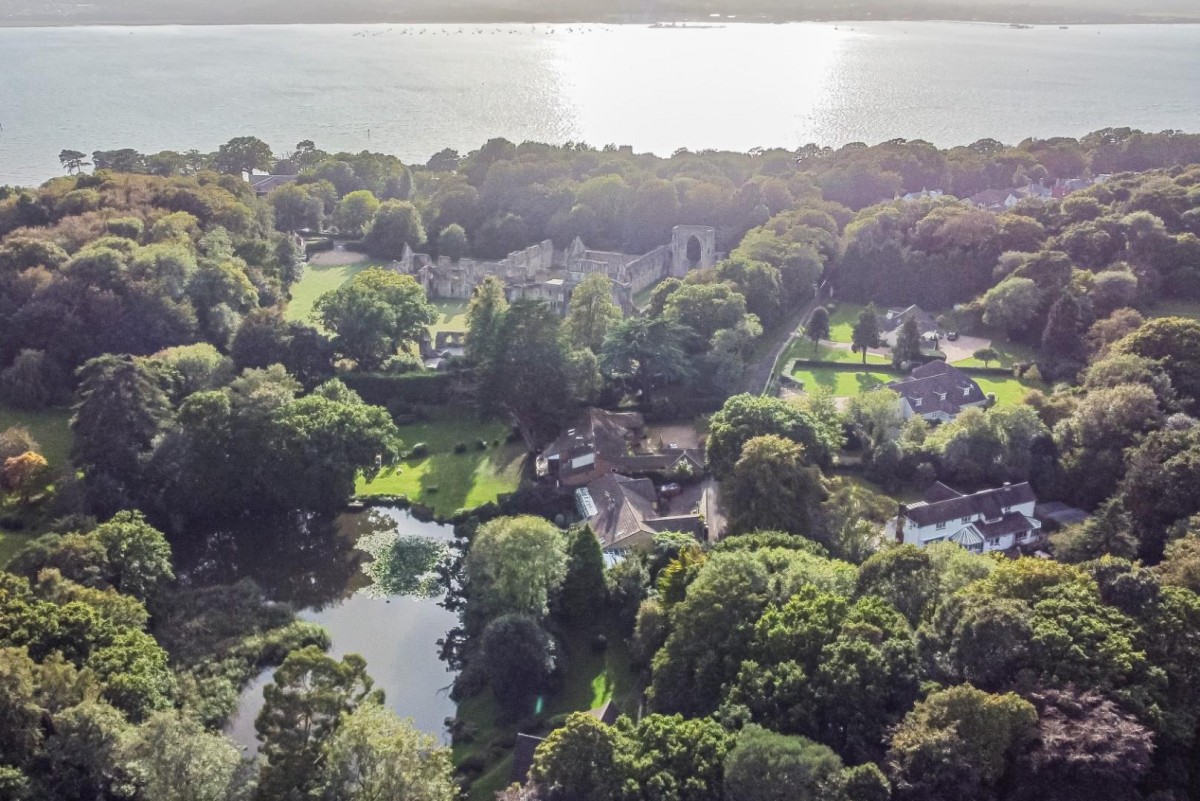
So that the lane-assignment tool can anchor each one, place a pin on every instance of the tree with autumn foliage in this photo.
(23, 474)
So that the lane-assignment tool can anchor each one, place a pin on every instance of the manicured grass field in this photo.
(842, 320)
(452, 315)
(803, 349)
(592, 680)
(1008, 391)
(49, 427)
(315, 282)
(1010, 353)
(841, 383)
(448, 481)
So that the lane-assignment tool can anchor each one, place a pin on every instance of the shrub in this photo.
(128, 227)
(419, 451)
(460, 447)
(481, 445)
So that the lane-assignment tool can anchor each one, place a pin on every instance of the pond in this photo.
(398, 636)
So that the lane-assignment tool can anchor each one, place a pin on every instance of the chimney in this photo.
(901, 522)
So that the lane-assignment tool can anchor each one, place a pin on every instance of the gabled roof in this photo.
(988, 503)
(938, 387)
(894, 318)
(622, 505)
(266, 183)
(606, 434)
(523, 751)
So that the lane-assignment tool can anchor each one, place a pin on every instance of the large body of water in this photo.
(412, 90)
(397, 636)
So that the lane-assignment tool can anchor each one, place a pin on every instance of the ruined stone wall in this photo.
(649, 269)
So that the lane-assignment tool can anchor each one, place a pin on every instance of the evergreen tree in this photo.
(1062, 340)
(582, 593)
(818, 326)
(485, 316)
(908, 343)
(866, 331)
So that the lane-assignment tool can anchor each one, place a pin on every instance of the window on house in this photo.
(966, 520)
(941, 396)
(916, 401)
(994, 542)
(966, 392)
(941, 525)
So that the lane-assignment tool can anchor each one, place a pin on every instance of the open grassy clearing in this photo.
(315, 282)
(452, 315)
(840, 383)
(1010, 353)
(1176, 308)
(803, 349)
(448, 481)
(50, 427)
(843, 383)
(593, 679)
(842, 320)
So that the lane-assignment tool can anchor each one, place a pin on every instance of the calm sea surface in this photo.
(412, 90)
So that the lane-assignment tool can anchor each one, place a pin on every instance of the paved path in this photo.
(759, 374)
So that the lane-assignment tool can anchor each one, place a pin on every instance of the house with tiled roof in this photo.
(989, 520)
(937, 392)
(602, 442)
(625, 513)
(266, 184)
(891, 320)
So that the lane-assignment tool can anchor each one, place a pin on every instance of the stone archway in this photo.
(693, 247)
(694, 252)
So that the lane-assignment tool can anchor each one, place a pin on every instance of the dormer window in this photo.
(966, 392)
(941, 396)
(916, 401)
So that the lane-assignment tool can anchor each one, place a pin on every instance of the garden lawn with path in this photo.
(324, 273)
(846, 382)
(447, 481)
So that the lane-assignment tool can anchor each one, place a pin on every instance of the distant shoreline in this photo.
(697, 23)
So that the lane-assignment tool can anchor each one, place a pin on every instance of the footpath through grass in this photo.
(447, 481)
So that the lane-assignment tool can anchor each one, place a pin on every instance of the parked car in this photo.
(670, 490)
(952, 336)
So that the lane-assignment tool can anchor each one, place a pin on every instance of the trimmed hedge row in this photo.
(388, 390)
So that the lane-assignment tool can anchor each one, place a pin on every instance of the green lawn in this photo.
(842, 320)
(1008, 391)
(452, 315)
(1010, 353)
(841, 383)
(49, 428)
(315, 282)
(1176, 308)
(593, 679)
(803, 349)
(448, 481)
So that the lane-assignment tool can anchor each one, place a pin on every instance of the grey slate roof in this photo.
(989, 503)
(938, 387)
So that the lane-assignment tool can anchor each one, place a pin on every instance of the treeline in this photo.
(118, 680)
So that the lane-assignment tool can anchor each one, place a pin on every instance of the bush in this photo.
(460, 447)
(128, 227)
(481, 445)
(419, 451)
(473, 766)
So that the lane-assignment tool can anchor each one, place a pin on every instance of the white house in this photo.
(989, 520)
(938, 392)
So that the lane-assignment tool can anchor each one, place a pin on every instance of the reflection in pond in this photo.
(317, 567)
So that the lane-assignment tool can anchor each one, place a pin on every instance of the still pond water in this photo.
(411, 90)
(397, 636)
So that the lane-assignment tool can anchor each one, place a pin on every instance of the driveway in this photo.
(963, 348)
